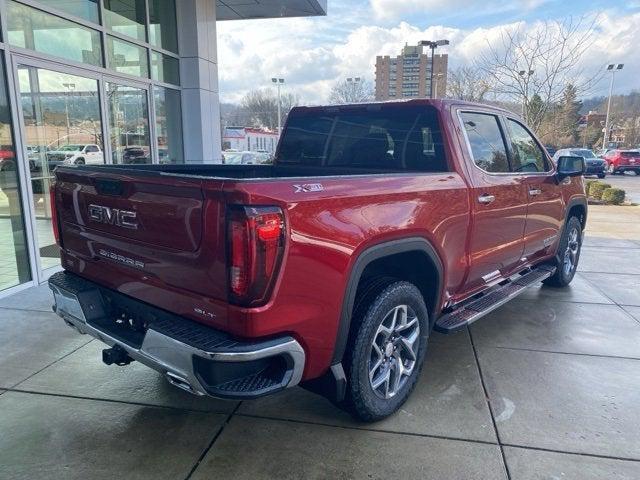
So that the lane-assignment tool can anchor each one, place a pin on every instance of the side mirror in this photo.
(570, 166)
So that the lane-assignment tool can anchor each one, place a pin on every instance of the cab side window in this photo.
(486, 141)
(527, 154)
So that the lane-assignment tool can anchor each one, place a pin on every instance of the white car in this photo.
(76, 154)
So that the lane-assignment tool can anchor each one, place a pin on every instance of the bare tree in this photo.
(468, 83)
(261, 107)
(353, 91)
(540, 62)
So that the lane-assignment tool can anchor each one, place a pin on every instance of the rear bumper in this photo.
(194, 357)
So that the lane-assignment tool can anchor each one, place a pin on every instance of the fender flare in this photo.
(582, 201)
(367, 256)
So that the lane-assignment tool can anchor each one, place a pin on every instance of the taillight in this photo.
(54, 213)
(255, 239)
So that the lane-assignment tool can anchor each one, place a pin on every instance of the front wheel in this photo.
(568, 254)
(386, 350)
(601, 175)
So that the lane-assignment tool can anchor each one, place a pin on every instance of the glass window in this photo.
(128, 124)
(87, 9)
(168, 125)
(61, 117)
(386, 138)
(486, 142)
(45, 33)
(126, 16)
(162, 24)
(165, 68)
(125, 57)
(527, 154)
(14, 262)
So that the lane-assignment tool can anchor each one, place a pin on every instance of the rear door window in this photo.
(527, 154)
(388, 138)
(486, 141)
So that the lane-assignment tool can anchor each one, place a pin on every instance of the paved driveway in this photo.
(547, 387)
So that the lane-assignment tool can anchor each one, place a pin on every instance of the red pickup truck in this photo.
(376, 224)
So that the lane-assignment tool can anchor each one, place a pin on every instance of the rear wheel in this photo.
(386, 350)
(568, 254)
(601, 175)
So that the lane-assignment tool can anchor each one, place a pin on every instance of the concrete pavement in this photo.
(545, 387)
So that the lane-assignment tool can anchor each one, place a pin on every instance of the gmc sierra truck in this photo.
(328, 269)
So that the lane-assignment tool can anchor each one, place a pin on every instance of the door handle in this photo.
(534, 192)
(486, 199)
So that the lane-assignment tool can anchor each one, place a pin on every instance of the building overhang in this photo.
(246, 9)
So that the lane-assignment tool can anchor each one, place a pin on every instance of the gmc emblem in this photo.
(113, 216)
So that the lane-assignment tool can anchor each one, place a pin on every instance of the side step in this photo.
(475, 309)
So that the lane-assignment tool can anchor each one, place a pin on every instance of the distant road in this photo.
(628, 182)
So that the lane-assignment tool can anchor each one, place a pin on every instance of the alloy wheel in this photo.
(572, 251)
(394, 351)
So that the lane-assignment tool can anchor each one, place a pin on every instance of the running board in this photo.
(472, 311)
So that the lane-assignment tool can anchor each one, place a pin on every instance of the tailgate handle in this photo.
(109, 187)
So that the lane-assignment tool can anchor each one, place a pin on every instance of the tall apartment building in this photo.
(409, 75)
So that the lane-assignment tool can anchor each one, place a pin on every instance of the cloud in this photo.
(313, 54)
(395, 9)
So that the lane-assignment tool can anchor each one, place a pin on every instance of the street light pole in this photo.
(612, 68)
(279, 82)
(353, 83)
(69, 87)
(432, 45)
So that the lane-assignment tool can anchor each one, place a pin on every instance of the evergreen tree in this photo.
(570, 115)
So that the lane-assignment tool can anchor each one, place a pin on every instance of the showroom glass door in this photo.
(128, 118)
(61, 125)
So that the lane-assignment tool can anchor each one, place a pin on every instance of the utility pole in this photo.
(279, 82)
(432, 45)
(611, 68)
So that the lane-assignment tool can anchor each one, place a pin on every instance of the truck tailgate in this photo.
(157, 229)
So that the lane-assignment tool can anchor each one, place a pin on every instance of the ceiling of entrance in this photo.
(244, 9)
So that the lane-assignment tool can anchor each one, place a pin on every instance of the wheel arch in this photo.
(399, 250)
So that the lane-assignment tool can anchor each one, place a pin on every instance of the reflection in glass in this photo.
(165, 68)
(162, 24)
(168, 125)
(126, 17)
(14, 262)
(128, 124)
(61, 126)
(125, 57)
(87, 9)
(45, 33)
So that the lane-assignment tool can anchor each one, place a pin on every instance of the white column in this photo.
(199, 79)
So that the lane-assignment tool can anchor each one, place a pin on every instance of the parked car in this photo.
(135, 155)
(620, 161)
(551, 150)
(327, 269)
(594, 165)
(241, 158)
(72, 154)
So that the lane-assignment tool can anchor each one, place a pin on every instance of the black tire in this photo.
(80, 161)
(568, 248)
(373, 308)
(602, 175)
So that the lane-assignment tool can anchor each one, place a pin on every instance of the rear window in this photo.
(391, 137)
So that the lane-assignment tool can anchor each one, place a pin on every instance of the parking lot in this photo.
(546, 387)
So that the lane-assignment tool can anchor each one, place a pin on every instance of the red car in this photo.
(375, 224)
(620, 161)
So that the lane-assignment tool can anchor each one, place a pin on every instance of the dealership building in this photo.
(104, 81)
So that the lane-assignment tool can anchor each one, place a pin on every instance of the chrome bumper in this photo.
(185, 364)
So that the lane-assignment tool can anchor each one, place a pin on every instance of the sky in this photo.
(312, 54)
